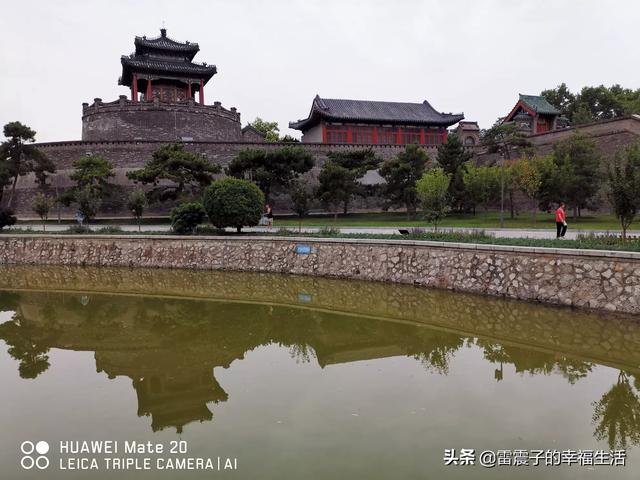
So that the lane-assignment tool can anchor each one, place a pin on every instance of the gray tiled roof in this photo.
(333, 109)
(163, 55)
(166, 44)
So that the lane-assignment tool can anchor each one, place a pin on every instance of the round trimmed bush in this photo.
(232, 202)
(7, 218)
(186, 217)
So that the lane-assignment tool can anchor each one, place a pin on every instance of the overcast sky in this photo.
(273, 57)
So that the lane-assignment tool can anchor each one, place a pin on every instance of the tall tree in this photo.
(183, 170)
(271, 170)
(578, 162)
(528, 177)
(91, 176)
(433, 192)
(358, 162)
(452, 157)
(401, 174)
(301, 195)
(18, 158)
(337, 186)
(624, 186)
(482, 185)
(561, 98)
(504, 139)
(269, 129)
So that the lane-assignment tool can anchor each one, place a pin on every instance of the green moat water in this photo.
(306, 378)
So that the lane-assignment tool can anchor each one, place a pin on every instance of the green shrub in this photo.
(78, 229)
(7, 218)
(232, 202)
(109, 230)
(186, 217)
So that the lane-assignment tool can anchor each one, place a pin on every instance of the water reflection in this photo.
(140, 326)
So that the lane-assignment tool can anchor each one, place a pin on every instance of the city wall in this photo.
(597, 280)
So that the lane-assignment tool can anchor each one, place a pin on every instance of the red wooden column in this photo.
(422, 142)
(149, 94)
(349, 135)
(324, 133)
(188, 89)
(398, 137)
(374, 135)
(201, 92)
(134, 89)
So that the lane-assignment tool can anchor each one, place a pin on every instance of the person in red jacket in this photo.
(561, 222)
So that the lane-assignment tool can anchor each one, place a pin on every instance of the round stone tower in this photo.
(164, 82)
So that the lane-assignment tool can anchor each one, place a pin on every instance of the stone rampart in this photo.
(599, 280)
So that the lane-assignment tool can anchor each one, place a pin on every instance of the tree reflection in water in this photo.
(617, 414)
(169, 347)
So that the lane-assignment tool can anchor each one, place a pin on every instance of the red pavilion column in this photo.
(201, 92)
(422, 140)
(134, 89)
(149, 94)
(188, 89)
(374, 135)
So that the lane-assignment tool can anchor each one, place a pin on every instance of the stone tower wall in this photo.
(124, 120)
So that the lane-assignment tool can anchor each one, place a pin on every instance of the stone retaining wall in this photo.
(591, 279)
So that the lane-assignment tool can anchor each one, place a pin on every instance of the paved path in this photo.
(497, 232)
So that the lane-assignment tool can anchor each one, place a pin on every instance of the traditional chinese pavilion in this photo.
(167, 99)
(164, 67)
(534, 114)
(375, 123)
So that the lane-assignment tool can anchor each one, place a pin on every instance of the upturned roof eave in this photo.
(317, 116)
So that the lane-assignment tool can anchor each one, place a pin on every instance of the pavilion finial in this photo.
(163, 30)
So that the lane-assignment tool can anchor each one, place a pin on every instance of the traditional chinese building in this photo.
(534, 114)
(166, 102)
(374, 123)
(164, 67)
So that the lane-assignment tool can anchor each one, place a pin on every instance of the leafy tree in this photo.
(337, 186)
(433, 192)
(401, 174)
(594, 103)
(184, 170)
(578, 162)
(358, 162)
(18, 158)
(42, 205)
(186, 217)
(482, 185)
(624, 185)
(269, 129)
(91, 175)
(7, 218)
(452, 157)
(137, 203)
(301, 196)
(528, 176)
(271, 170)
(504, 139)
(94, 173)
(561, 98)
(89, 202)
(232, 202)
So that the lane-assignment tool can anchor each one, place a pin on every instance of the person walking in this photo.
(561, 222)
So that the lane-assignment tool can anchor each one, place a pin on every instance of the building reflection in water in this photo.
(169, 347)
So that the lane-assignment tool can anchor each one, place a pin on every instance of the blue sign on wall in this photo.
(303, 249)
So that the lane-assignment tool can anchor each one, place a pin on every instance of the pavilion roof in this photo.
(166, 45)
(164, 56)
(372, 111)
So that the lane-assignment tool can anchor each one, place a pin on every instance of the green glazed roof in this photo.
(539, 104)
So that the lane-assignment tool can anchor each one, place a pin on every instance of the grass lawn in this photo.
(481, 220)
(399, 219)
